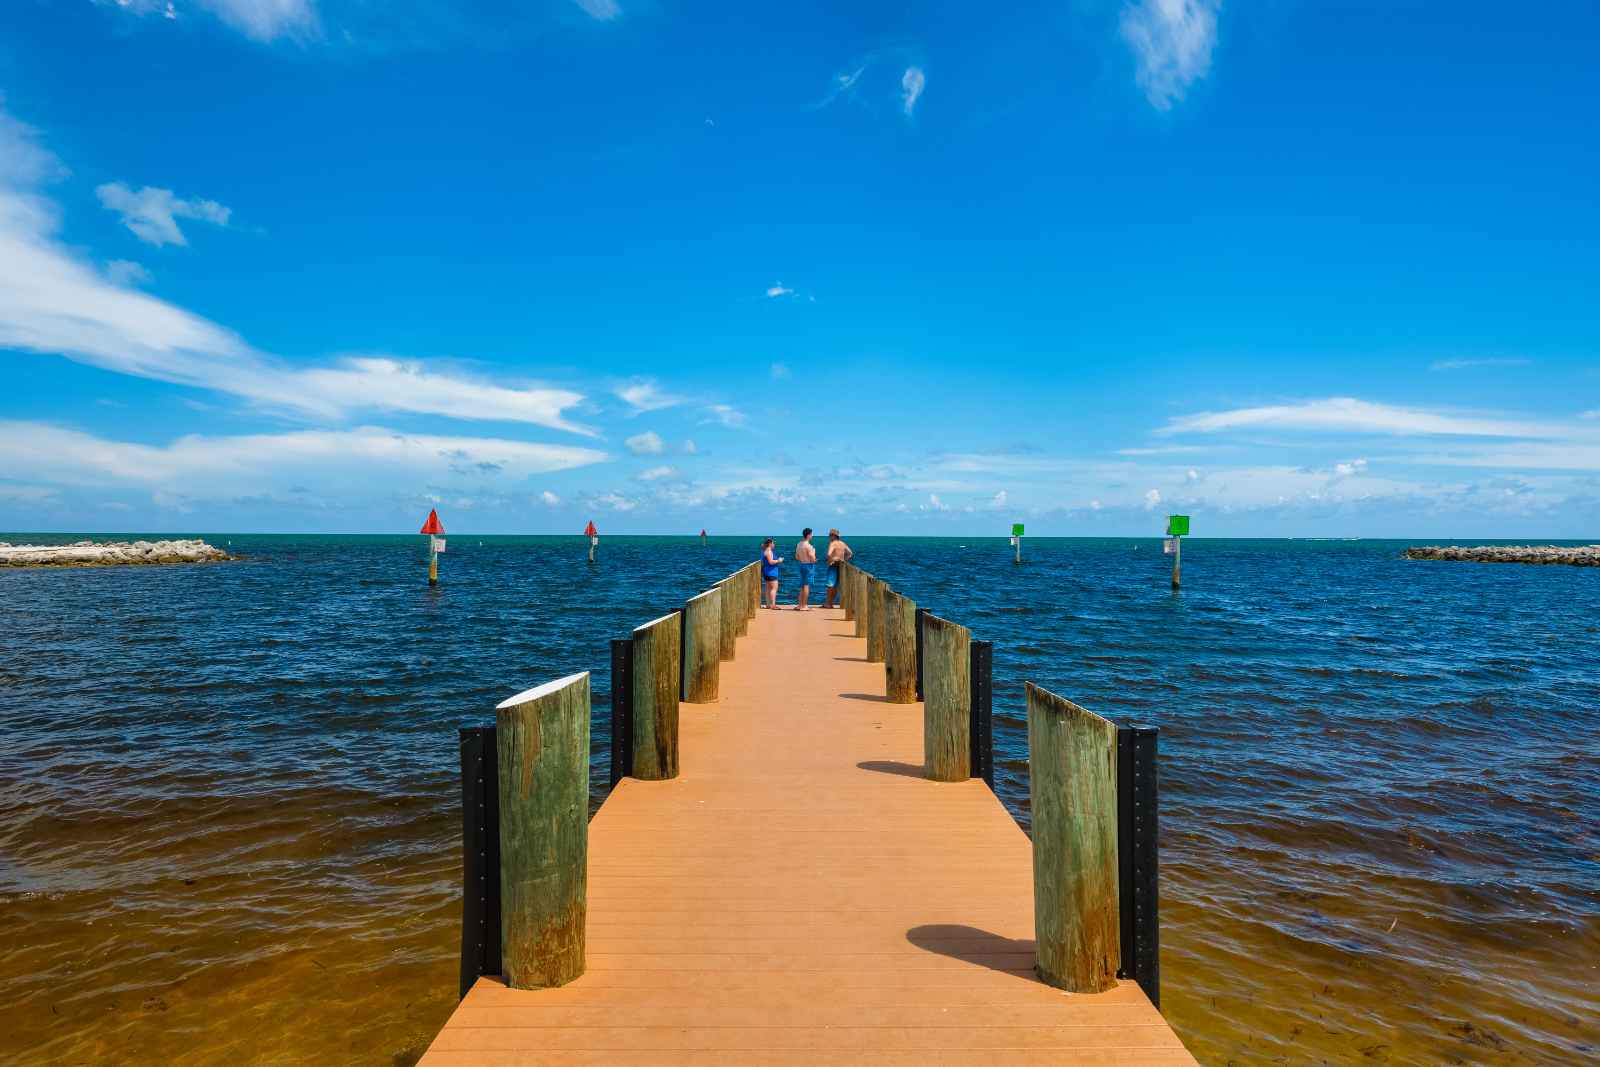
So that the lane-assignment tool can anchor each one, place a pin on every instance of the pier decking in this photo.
(801, 894)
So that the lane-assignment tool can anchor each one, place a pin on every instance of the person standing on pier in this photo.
(769, 572)
(838, 552)
(805, 554)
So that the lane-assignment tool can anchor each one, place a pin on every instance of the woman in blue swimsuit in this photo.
(769, 573)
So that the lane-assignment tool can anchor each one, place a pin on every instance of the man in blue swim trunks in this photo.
(838, 552)
(805, 554)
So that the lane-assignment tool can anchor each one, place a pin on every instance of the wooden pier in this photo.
(801, 893)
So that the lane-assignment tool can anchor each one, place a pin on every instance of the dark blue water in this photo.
(1380, 778)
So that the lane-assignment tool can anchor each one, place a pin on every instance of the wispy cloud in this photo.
(656, 474)
(363, 460)
(646, 394)
(778, 290)
(127, 272)
(603, 10)
(843, 84)
(912, 83)
(152, 214)
(1172, 41)
(724, 415)
(261, 20)
(1349, 415)
(1468, 364)
(780, 371)
(648, 443)
(549, 499)
(53, 301)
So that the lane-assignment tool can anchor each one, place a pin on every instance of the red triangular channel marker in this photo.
(590, 531)
(432, 526)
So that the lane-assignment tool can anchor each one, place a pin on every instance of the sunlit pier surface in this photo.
(801, 893)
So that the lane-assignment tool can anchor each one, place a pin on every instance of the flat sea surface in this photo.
(229, 826)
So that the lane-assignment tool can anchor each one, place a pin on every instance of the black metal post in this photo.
(621, 710)
(981, 681)
(920, 613)
(1138, 861)
(480, 855)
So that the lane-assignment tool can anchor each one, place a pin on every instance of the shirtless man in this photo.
(805, 554)
(838, 552)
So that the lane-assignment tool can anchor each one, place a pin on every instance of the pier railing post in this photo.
(875, 619)
(480, 856)
(542, 754)
(702, 647)
(899, 649)
(728, 611)
(946, 702)
(1138, 859)
(621, 710)
(847, 577)
(921, 613)
(981, 675)
(1072, 785)
(657, 654)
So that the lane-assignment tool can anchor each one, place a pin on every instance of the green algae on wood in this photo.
(542, 737)
(1072, 783)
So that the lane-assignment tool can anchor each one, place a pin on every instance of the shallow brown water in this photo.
(228, 801)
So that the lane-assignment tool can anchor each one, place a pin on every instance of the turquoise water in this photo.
(1349, 740)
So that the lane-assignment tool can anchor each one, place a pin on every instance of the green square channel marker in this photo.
(1016, 529)
(1177, 525)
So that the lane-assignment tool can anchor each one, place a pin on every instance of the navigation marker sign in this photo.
(1177, 526)
(1016, 539)
(594, 538)
(433, 528)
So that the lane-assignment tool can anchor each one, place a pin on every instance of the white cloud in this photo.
(775, 291)
(648, 443)
(912, 83)
(656, 474)
(689, 448)
(126, 272)
(1094, 505)
(999, 500)
(1172, 41)
(356, 461)
(54, 302)
(780, 371)
(615, 502)
(550, 499)
(1152, 498)
(1191, 475)
(1348, 415)
(935, 504)
(724, 415)
(261, 20)
(1350, 469)
(645, 394)
(1467, 364)
(604, 10)
(1594, 414)
(152, 214)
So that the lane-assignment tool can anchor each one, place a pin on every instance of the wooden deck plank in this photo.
(800, 891)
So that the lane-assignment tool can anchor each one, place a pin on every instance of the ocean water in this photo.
(229, 801)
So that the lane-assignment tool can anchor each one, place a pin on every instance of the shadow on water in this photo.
(973, 945)
(888, 766)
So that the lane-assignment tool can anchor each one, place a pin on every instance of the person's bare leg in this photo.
(800, 605)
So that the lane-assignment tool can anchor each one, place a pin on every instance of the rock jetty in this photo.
(109, 554)
(1581, 556)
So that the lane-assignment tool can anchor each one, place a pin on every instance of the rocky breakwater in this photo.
(109, 554)
(1581, 556)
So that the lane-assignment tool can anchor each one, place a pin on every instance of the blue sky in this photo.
(1292, 268)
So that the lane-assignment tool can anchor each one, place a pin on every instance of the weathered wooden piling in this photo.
(858, 595)
(657, 648)
(899, 649)
(728, 639)
(542, 737)
(847, 577)
(947, 700)
(1072, 775)
(743, 599)
(875, 591)
(702, 647)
